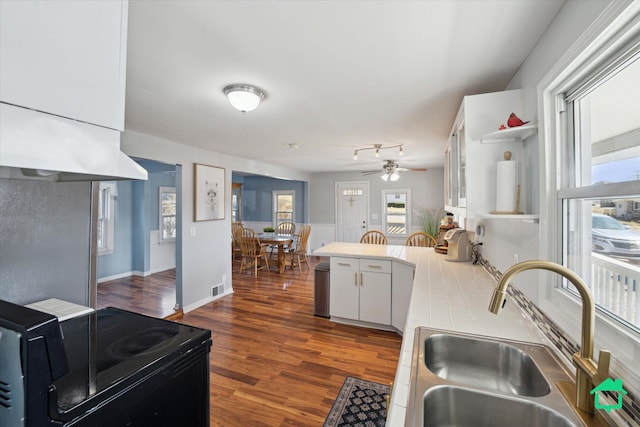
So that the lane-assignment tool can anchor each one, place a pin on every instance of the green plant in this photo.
(430, 220)
(268, 229)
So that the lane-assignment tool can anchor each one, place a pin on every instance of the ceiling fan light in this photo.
(244, 97)
(385, 177)
(401, 151)
(394, 176)
(355, 155)
(377, 152)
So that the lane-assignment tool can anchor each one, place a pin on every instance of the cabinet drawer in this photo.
(345, 263)
(376, 265)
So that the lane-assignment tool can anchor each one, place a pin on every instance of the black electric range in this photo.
(124, 369)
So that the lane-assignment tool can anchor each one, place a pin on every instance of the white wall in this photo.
(504, 238)
(206, 255)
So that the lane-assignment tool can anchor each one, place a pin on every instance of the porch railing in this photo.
(616, 287)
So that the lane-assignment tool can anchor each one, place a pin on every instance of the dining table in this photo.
(280, 240)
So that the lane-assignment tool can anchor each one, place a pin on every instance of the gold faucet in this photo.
(588, 374)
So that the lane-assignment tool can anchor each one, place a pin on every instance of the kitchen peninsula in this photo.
(444, 295)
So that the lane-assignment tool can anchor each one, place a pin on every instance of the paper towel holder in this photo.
(507, 157)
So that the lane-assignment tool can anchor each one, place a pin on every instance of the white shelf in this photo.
(519, 133)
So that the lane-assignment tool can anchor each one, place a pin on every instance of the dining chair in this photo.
(420, 238)
(283, 229)
(299, 252)
(374, 237)
(252, 251)
(236, 250)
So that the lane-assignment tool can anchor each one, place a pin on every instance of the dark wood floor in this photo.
(154, 295)
(273, 363)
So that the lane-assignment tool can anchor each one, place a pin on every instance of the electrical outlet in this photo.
(516, 258)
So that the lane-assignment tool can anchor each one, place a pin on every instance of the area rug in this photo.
(360, 403)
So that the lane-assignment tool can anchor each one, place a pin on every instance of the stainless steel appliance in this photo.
(108, 368)
(459, 248)
(321, 290)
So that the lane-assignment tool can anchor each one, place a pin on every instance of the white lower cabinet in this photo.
(361, 289)
(401, 285)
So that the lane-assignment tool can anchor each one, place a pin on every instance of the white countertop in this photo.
(446, 295)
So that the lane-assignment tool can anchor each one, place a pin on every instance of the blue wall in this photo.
(120, 260)
(137, 206)
(257, 197)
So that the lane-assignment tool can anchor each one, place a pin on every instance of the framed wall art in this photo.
(208, 197)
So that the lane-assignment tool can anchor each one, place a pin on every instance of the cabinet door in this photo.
(375, 297)
(65, 58)
(344, 288)
(401, 285)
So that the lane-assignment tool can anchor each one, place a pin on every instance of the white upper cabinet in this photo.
(66, 58)
(476, 146)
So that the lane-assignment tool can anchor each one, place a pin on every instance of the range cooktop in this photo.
(112, 348)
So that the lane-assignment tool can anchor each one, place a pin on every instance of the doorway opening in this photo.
(142, 271)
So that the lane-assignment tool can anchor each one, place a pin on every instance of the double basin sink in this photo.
(468, 380)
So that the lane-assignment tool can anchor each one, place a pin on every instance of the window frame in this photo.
(407, 227)
(161, 238)
(276, 193)
(598, 46)
(108, 188)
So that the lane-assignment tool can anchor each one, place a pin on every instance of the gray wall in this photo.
(44, 241)
(427, 191)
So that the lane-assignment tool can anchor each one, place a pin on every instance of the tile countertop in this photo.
(446, 295)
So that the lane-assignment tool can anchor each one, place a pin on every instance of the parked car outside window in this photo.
(611, 237)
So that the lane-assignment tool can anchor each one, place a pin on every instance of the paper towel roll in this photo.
(506, 186)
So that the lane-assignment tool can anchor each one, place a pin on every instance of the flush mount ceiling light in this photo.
(244, 97)
(378, 147)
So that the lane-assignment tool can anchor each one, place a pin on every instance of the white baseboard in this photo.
(118, 276)
(203, 301)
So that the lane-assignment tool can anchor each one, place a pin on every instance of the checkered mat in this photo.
(360, 403)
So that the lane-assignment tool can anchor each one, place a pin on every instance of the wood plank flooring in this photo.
(154, 295)
(273, 363)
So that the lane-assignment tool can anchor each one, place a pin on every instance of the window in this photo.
(283, 203)
(396, 212)
(167, 209)
(587, 125)
(601, 229)
(106, 218)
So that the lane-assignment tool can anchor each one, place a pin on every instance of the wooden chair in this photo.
(299, 251)
(236, 250)
(374, 237)
(252, 251)
(421, 238)
(283, 229)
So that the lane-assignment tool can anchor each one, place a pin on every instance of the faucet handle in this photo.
(604, 358)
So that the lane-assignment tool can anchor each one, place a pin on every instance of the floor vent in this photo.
(217, 290)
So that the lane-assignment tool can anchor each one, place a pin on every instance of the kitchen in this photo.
(198, 273)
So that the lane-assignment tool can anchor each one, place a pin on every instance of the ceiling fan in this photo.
(390, 170)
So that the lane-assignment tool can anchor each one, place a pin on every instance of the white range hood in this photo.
(36, 144)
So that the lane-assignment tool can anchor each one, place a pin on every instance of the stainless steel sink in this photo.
(484, 363)
(470, 380)
(446, 405)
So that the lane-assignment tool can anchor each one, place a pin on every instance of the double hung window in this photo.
(600, 185)
(106, 218)
(167, 209)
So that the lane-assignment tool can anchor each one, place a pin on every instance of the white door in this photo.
(352, 210)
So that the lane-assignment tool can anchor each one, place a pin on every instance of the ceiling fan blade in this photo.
(371, 172)
(412, 169)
